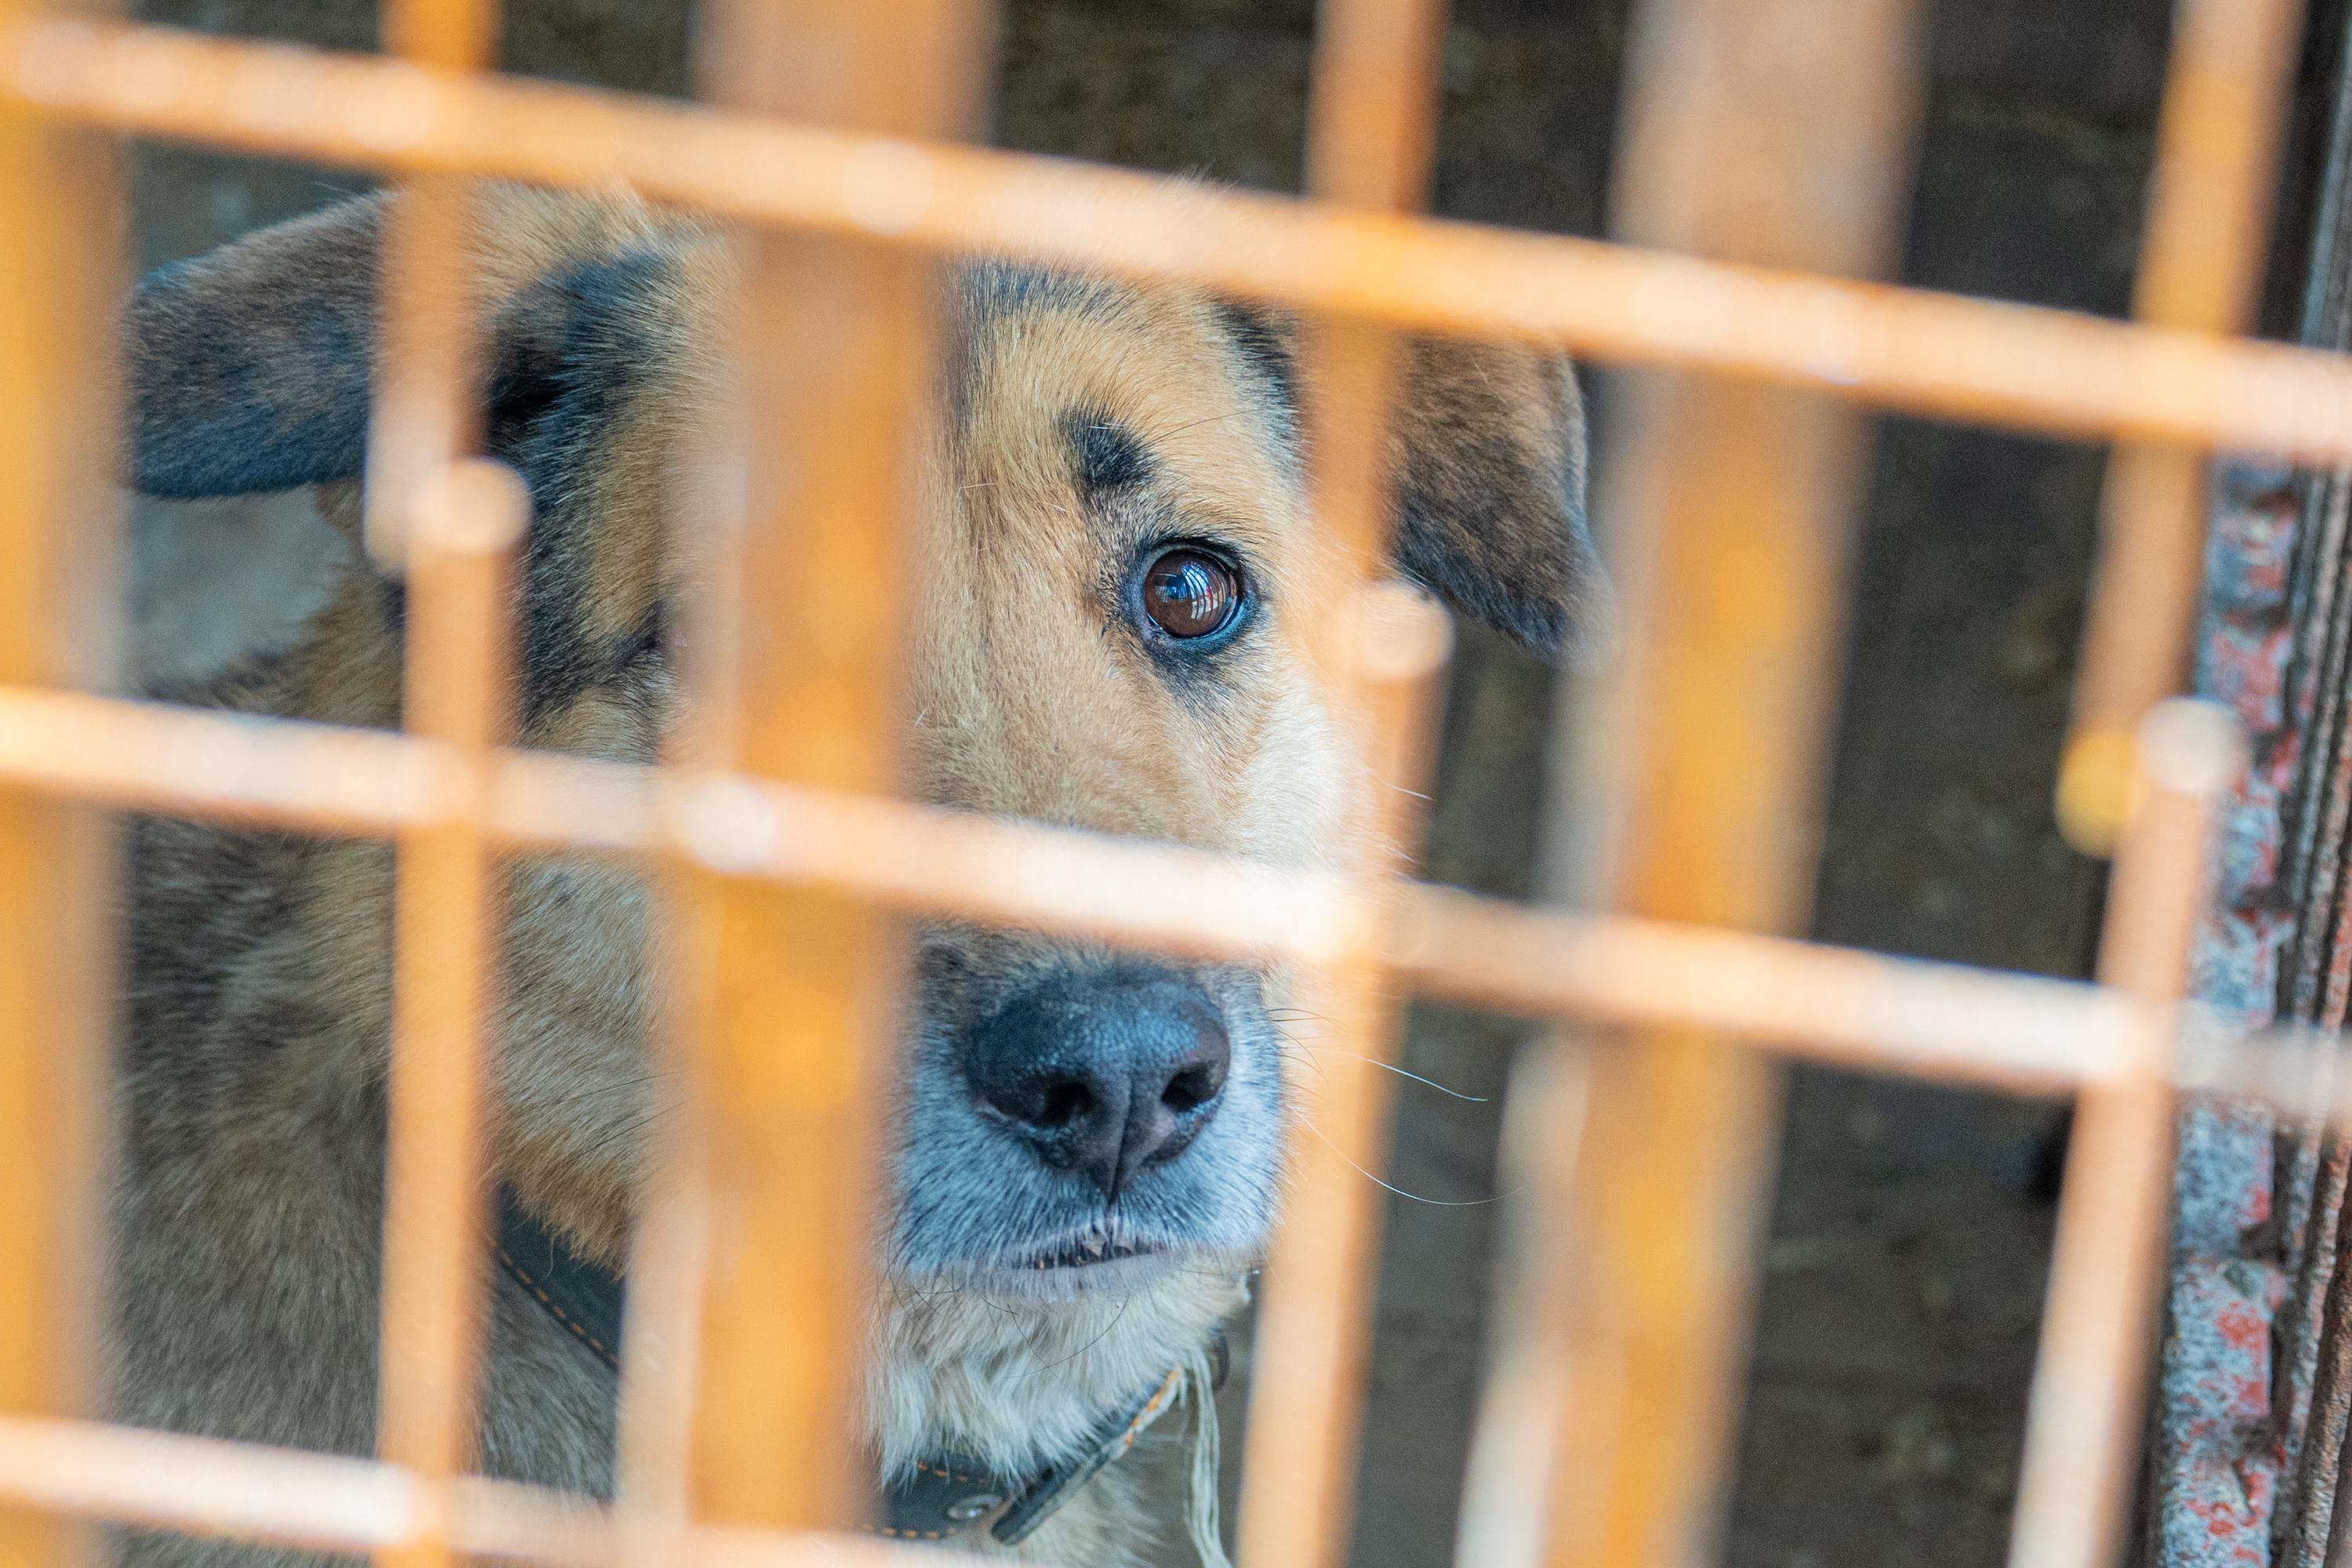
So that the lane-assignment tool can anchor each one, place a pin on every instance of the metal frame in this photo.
(771, 840)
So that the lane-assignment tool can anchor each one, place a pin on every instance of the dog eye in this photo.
(1190, 593)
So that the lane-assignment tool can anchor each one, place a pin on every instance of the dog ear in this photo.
(250, 366)
(247, 367)
(1487, 455)
(1489, 461)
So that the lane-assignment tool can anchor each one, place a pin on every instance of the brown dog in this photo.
(1088, 1146)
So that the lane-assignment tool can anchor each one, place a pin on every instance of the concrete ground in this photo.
(1910, 1226)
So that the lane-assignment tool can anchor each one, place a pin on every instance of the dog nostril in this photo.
(1192, 1088)
(1066, 1103)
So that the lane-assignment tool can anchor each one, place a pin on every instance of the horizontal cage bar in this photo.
(1935, 1020)
(1908, 349)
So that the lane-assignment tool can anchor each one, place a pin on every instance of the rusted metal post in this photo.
(55, 598)
(2200, 263)
(1778, 132)
(797, 989)
(2082, 1439)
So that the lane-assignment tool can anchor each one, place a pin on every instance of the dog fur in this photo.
(1080, 421)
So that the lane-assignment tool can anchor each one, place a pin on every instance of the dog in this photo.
(1108, 633)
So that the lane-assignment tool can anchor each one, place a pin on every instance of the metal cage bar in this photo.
(836, 373)
(453, 529)
(54, 533)
(1762, 133)
(2021, 1032)
(766, 827)
(459, 546)
(1908, 349)
(1382, 652)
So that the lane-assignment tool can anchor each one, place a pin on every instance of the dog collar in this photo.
(943, 1496)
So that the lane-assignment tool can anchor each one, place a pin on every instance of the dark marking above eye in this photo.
(1258, 339)
(1109, 456)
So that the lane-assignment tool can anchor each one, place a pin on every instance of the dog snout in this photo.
(1104, 1073)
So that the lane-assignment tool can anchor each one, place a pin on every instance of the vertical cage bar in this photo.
(452, 35)
(1313, 1325)
(55, 531)
(2201, 264)
(1372, 109)
(795, 989)
(2090, 1375)
(424, 416)
(1776, 131)
(459, 550)
(451, 528)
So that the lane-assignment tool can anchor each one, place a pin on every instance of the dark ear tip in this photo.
(1591, 628)
(1577, 630)
(1517, 557)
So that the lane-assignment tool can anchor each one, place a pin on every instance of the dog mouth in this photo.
(1095, 1260)
(1090, 1252)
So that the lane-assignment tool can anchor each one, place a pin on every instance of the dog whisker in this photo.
(1402, 1072)
(1116, 1318)
(1416, 1197)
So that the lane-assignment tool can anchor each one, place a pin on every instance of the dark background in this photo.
(1904, 1273)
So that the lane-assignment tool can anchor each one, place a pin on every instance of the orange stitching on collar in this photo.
(523, 1275)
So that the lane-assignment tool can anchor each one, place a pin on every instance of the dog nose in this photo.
(1103, 1072)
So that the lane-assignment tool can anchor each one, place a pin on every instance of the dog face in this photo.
(1114, 570)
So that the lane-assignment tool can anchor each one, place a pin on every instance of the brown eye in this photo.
(1190, 593)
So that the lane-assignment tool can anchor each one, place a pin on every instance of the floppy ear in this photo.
(248, 366)
(1487, 457)
(1489, 465)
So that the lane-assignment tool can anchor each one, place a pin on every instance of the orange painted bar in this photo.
(1381, 653)
(2022, 1033)
(798, 987)
(424, 416)
(56, 864)
(1778, 132)
(323, 1502)
(1937, 354)
(2199, 267)
(453, 526)
(459, 544)
(452, 529)
(454, 35)
(2090, 1375)
(1310, 1358)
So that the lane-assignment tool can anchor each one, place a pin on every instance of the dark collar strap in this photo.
(946, 1495)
